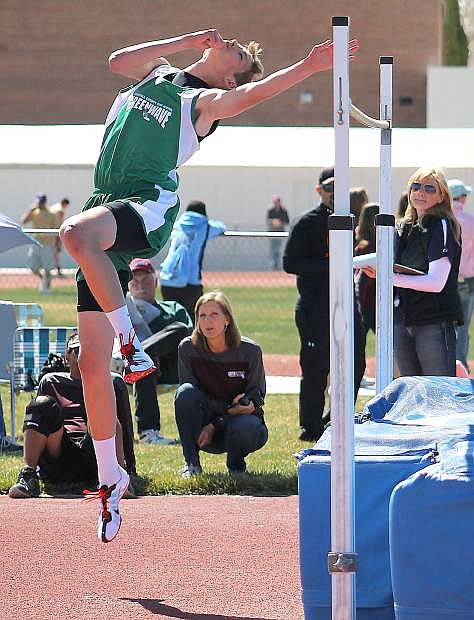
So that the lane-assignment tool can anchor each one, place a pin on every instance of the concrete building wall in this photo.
(238, 196)
(450, 94)
(53, 60)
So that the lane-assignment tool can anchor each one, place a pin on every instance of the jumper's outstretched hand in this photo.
(204, 39)
(321, 56)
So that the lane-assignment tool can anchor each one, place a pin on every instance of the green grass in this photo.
(265, 314)
(59, 306)
(272, 470)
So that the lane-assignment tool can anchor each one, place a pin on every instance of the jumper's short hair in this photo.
(255, 71)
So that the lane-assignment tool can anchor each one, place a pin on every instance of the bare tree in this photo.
(466, 9)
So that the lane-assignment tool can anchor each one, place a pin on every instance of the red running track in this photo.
(188, 557)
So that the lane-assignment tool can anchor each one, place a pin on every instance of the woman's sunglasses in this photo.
(428, 188)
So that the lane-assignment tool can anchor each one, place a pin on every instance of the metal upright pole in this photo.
(341, 559)
(385, 222)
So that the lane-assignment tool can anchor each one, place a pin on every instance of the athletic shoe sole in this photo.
(105, 522)
(19, 494)
(133, 377)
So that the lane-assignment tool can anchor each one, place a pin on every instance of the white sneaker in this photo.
(191, 470)
(154, 437)
(137, 363)
(109, 521)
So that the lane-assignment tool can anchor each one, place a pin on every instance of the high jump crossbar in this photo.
(342, 560)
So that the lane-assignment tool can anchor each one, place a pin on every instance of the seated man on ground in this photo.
(160, 326)
(218, 405)
(57, 445)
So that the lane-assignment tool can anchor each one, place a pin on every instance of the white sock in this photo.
(107, 464)
(122, 324)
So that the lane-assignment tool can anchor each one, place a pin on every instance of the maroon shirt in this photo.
(221, 376)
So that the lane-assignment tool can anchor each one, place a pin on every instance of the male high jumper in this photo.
(152, 128)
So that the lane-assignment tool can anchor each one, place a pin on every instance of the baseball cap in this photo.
(457, 188)
(326, 175)
(41, 197)
(142, 264)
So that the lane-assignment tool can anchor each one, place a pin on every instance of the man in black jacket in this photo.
(307, 255)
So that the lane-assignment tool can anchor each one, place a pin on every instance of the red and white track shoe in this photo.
(138, 364)
(109, 521)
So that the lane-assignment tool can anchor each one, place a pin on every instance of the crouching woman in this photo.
(218, 405)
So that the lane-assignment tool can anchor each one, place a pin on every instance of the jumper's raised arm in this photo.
(217, 104)
(136, 61)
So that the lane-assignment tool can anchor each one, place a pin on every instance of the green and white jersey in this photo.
(149, 133)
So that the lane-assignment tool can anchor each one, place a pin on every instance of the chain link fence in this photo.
(238, 263)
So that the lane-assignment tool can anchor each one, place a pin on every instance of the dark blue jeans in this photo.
(426, 349)
(242, 434)
(466, 295)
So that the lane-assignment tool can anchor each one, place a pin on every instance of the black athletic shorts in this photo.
(130, 238)
(86, 300)
(130, 234)
(77, 461)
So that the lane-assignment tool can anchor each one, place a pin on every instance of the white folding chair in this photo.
(31, 348)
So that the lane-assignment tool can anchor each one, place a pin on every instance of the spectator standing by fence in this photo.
(357, 199)
(59, 210)
(277, 221)
(428, 240)
(366, 243)
(41, 258)
(180, 274)
(307, 255)
(459, 192)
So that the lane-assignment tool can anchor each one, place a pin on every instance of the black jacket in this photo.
(412, 249)
(307, 255)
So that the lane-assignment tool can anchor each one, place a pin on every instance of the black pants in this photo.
(315, 362)
(163, 347)
(124, 415)
(187, 296)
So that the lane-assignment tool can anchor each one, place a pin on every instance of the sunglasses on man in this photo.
(428, 188)
(328, 187)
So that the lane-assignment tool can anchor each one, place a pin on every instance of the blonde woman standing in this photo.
(429, 240)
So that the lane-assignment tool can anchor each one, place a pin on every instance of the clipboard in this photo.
(408, 271)
(370, 260)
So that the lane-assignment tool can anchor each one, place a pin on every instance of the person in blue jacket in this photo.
(180, 275)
